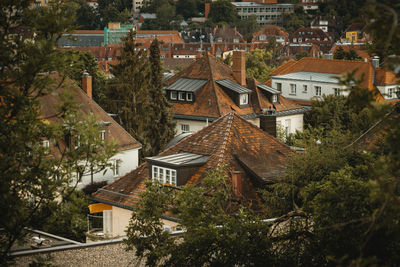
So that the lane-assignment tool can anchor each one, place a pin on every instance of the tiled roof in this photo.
(212, 101)
(331, 66)
(229, 140)
(50, 102)
(385, 77)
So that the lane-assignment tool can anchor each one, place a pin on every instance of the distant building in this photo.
(312, 36)
(310, 5)
(82, 38)
(310, 78)
(266, 13)
(271, 31)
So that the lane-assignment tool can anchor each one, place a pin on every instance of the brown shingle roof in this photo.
(114, 131)
(230, 140)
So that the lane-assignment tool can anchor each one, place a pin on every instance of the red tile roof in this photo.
(229, 140)
(363, 70)
(50, 102)
(212, 101)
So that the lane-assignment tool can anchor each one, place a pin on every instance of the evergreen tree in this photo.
(162, 127)
(27, 171)
(127, 92)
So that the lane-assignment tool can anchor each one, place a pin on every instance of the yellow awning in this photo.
(99, 207)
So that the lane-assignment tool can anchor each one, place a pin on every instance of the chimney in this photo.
(87, 84)
(375, 64)
(239, 67)
(237, 183)
(207, 7)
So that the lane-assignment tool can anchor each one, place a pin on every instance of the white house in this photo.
(310, 78)
(128, 148)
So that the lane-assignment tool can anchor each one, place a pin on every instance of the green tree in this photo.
(28, 172)
(127, 92)
(86, 17)
(256, 66)
(222, 11)
(295, 20)
(340, 53)
(248, 27)
(213, 236)
(187, 8)
(162, 126)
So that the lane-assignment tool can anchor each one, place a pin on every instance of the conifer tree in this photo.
(161, 128)
(128, 90)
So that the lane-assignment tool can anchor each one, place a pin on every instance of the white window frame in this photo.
(292, 88)
(274, 98)
(337, 91)
(318, 90)
(103, 135)
(46, 143)
(189, 96)
(390, 92)
(173, 95)
(244, 99)
(305, 88)
(185, 128)
(115, 167)
(164, 175)
(181, 96)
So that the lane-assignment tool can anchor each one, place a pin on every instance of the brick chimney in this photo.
(207, 7)
(237, 183)
(239, 67)
(87, 84)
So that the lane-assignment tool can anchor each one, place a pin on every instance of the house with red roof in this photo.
(208, 89)
(310, 78)
(127, 157)
(252, 159)
(271, 31)
(309, 36)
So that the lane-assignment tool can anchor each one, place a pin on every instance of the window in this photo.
(274, 98)
(115, 167)
(181, 96)
(279, 87)
(304, 88)
(390, 92)
(46, 143)
(185, 128)
(173, 95)
(318, 90)
(244, 99)
(103, 135)
(189, 97)
(236, 40)
(337, 91)
(164, 175)
(292, 89)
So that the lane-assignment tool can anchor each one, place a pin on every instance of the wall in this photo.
(385, 91)
(293, 122)
(128, 161)
(326, 88)
(120, 220)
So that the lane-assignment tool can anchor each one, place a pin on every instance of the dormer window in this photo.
(181, 96)
(164, 175)
(244, 99)
(175, 169)
(46, 143)
(219, 40)
(274, 98)
(103, 135)
(236, 40)
(173, 95)
(263, 37)
(189, 97)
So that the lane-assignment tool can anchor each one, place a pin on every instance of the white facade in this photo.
(389, 91)
(307, 89)
(290, 123)
(184, 126)
(123, 162)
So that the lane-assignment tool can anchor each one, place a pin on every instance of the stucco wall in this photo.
(385, 91)
(120, 220)
(293, 122)
(128, 161)
(326, 88)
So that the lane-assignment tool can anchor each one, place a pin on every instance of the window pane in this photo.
(167, 177)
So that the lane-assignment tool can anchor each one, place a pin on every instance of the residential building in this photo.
(309, 35)
(310, 5)
(82, 38)
(127, 157)
(252, 159)
(137, 5)
(266, 13)
(310, 78)
(227, 35)
(271, 31)
(209, 89)
(355, 33)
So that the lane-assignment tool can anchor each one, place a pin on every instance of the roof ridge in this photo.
(213, 82)
(228, 133)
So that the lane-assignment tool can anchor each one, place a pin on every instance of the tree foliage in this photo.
(256, 66)
(223, 11)
(136, 96)
(340, 53)
(27, 168)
